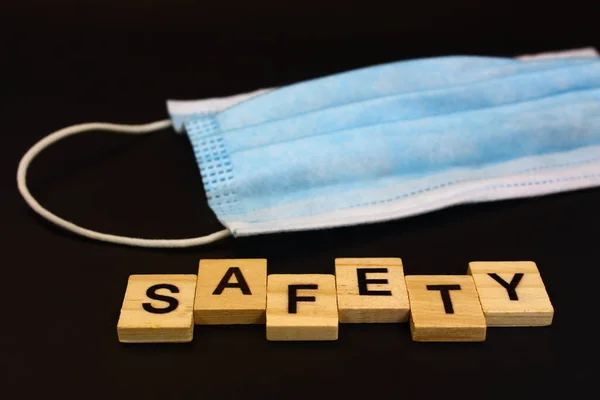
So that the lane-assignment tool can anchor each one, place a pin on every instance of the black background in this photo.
(66, 62)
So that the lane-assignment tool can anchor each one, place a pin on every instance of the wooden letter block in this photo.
(371, 290)
(231, 292)
(445, 308)
(512, 293)
(302, 307)
(158, 309)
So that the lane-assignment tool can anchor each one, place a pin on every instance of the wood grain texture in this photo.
(430, 320)
(313, 320)
(245, 304)
(371, 290)
(137, 325)
(530, 304)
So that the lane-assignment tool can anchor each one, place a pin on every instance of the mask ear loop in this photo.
(104, 237)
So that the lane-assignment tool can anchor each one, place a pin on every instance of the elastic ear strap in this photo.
(129, 241)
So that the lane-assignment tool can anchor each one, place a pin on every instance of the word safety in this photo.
(307, 307)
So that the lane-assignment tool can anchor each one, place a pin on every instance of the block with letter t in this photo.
(445, 308)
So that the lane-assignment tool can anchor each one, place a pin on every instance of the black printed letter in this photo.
(363, 290)
(241, 282)
(510, 287)
(293, 297)
(151, 293)
(445, 292)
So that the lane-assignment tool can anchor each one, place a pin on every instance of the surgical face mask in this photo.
(382, 143)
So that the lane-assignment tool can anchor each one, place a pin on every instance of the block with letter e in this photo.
(371, 290)
(157, 309)
(301, 308)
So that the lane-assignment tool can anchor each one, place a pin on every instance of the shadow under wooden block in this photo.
(445, 308)
(512, 293)
(158, 309)
(301, 307)
(371, 290)
(231, 291)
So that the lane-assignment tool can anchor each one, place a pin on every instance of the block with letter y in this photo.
(512, 293)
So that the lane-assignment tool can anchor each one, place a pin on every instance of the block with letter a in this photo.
(231, 292)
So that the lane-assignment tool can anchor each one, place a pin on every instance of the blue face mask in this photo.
(391, 141)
